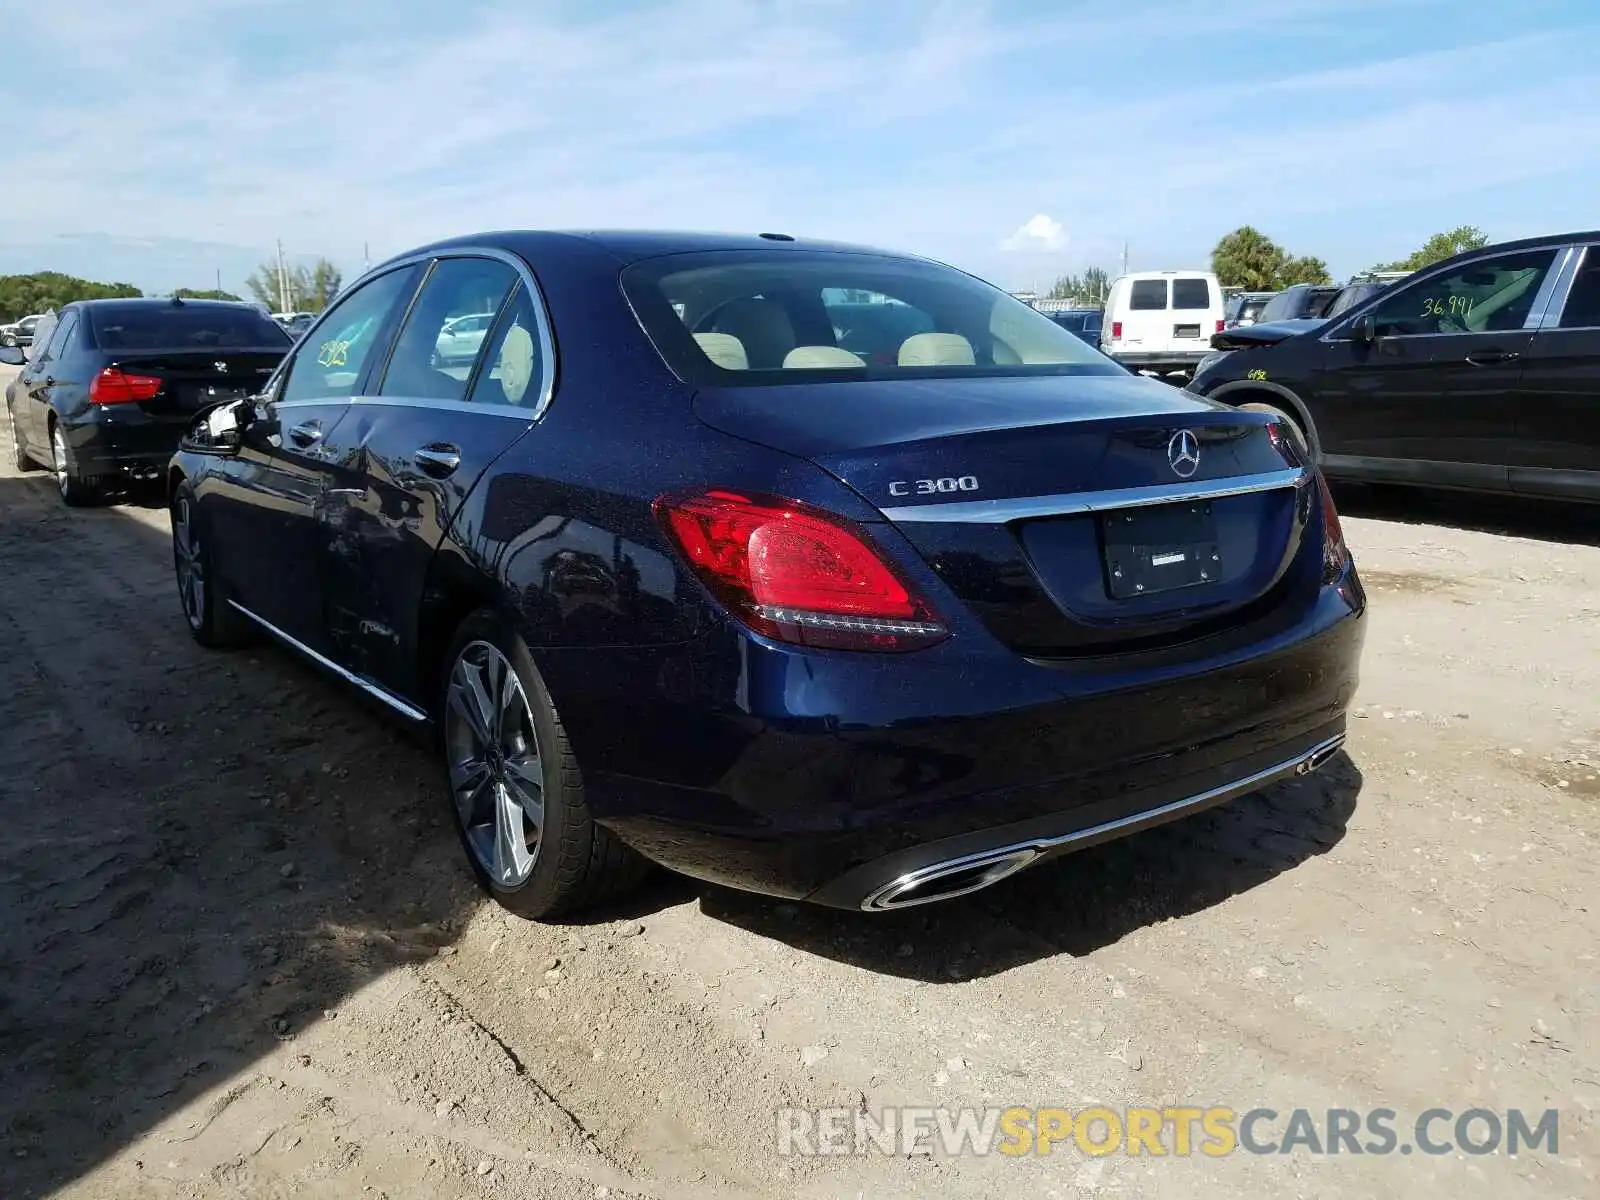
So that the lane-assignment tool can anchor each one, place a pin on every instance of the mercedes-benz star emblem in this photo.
(1183, 454)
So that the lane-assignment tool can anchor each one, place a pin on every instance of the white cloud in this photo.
(1038, 233)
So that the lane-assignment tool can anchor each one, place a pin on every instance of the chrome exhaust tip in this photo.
(1320, 755)
(947, 880)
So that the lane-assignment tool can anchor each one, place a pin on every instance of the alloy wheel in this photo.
(58, 459)
(496, 777)
(188, 563)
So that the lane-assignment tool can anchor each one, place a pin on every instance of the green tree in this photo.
(22, 295)
(203, 294)
(1064, 288)
(1091, 287)
(1248, 259)
(310, 289)
(1096, 285)
(1303, 270)
(1440, 247)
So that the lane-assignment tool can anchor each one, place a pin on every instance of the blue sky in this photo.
(162, 141)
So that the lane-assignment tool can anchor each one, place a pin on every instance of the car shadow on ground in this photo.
(1539, 520)
(202, 852)
(1081, 902)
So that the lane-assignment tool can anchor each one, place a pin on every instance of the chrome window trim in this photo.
(1552, 317)
(541, 309)
(1340, 334)
(1002, 512)
(547, 352)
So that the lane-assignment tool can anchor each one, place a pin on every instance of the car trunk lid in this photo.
(1073, 515)
(189, 380)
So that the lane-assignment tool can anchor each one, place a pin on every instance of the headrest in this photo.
(834, 357)
(936, 350)
(516, 363)
(724, 349)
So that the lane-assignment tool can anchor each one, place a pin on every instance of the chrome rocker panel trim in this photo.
(375, 690)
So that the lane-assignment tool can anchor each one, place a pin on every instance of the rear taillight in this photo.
(797, 574)
(113, 386)
(1116, 331)
(1335, 554)
(1221, 325)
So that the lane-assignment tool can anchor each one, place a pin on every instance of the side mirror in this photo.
(12, 356)
(1364, 329)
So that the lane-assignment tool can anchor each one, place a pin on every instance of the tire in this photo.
(20, 458)
(1289, 422)
(77, 490)
(573, 862)
(202, 595)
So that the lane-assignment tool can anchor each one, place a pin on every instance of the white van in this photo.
(1162, 321)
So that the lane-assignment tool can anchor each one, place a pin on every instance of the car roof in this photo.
(1168, 275)
(631, 245)
(159, 302)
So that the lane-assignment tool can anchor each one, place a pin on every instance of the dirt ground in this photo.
(240, 955)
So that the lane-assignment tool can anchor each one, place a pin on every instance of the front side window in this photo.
(1148, 295)
(1191, 293)
(764, 317)
(1487, 296)
(329, 363)
(1583, 301)
(443, 334)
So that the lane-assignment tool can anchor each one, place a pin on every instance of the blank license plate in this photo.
(1159, 549)
(1186, 331)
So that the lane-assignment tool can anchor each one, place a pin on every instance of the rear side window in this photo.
(443, 335)
(183, 327)
(1148, 295)
(1191, 293)
(1583, 303)
(61, 337)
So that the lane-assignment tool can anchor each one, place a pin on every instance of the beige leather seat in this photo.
(762, 326)
(725, 350)
(822, 358)
(937, 350)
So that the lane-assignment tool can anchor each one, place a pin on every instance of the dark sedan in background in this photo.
(108, 396)
(812, 570)
(1480, 373)
(1084, 323)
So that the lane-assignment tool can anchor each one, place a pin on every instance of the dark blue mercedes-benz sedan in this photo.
(808, 569)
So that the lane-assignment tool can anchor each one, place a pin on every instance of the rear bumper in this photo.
(829, 777)
(129, 442)
(1169, 360)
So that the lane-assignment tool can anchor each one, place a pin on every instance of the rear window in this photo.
(764, 317)
(1191, 293)
(1148, 295)
(184, 327)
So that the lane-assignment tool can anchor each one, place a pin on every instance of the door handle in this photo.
(1488, 358)
(439, 460)
(306, 433)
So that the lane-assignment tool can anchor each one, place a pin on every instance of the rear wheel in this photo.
(76, 488)
(214, 622)
(515, 790)
(20, 459)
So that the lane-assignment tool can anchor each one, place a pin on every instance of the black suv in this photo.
(1481, 372)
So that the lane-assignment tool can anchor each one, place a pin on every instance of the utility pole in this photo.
(366, 258)
(283, 281)
(1124, 257)
(219, 283)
